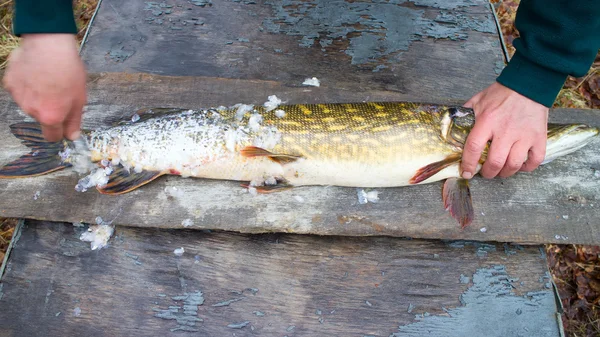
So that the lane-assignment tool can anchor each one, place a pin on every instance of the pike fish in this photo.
(369, 145)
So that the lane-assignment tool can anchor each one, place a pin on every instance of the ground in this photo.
(575, 269)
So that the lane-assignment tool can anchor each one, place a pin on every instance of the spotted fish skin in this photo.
(358, 144)
(381, 144)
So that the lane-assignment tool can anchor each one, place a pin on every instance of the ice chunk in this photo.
(279, 113)
(187, 223)
(252, 191)
(270, 181)
(299, 198)
(179, 251)
(257, 182)
(97, 235)
(231, 139)
(242, 109)
(97, 178)
(372, 196)
(36, 195)
(312, 81)
(254, 122)
(362, 196)
(272, 103)
(135, 118)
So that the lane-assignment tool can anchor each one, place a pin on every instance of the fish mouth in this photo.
(566, 139)
(558, 130)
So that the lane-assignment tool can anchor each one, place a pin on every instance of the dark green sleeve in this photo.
(44, 16)
(557, 38)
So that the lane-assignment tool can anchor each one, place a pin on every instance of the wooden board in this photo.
(451, 48)
(298, 285)
(558, 203)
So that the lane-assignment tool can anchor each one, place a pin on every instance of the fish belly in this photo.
(357, 174)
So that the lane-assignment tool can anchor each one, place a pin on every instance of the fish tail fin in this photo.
(456, 196)
(43, 158)
(430, 170)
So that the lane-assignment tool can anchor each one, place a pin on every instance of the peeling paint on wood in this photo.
(299, 277)
(346, 42)
(488, 305)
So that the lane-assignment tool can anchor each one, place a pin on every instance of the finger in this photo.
(52, 133)
(535, 156)
(496, 157)
(516, 159)
(51, 115)
(72, 124)
(474, 146)
(471, 102)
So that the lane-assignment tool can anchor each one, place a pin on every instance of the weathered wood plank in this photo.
(527, 208)
(320, 286)
(451, 49)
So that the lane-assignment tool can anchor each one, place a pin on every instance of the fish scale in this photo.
(370, 144)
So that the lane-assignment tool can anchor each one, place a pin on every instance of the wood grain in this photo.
(322, 286)
(556, 203)
(127, 37)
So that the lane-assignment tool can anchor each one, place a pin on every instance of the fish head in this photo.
(456, 123)
(563, 139)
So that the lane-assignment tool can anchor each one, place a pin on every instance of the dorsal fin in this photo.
(145, 114)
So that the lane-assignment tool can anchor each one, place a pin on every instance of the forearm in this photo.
(44, 16)
(557, 39)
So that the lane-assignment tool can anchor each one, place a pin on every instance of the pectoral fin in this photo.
(254, 151)
(121, 181)
(430, 170)
(457, 200)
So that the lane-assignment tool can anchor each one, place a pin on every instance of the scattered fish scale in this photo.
(368, 145)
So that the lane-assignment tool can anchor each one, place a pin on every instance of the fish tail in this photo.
(45, 157)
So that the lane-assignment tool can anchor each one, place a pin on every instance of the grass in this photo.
(575, 268)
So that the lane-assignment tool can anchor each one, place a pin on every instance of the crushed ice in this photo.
(365, 197)
(272, 103)
(242, 109)
(252, 190)
(312, 82)
(99, 234)
(78, 155)
(279, 113)
(98, 178)
(254, 122)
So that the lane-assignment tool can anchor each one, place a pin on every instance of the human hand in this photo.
(47, 79)
(517, 127)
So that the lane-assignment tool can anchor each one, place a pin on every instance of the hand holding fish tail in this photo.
(47, 79)
(516, 127)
